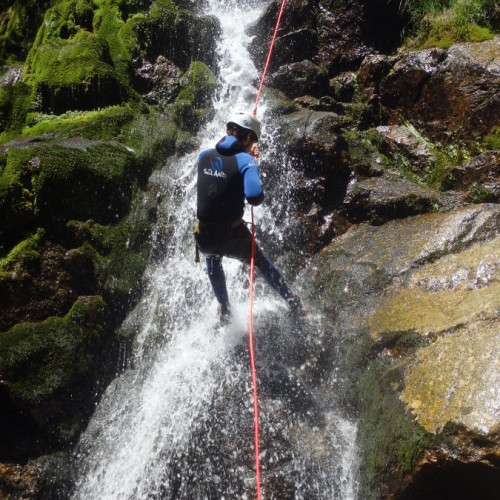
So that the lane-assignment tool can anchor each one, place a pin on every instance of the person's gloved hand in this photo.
(255, 151)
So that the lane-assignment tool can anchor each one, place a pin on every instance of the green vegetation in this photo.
(440, 23)
(120, 251)
(492, 140)
(19, 23)
(392, 442)
(25, 254)
(193, 104)
(15, 103)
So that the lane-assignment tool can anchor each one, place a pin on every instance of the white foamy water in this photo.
(148, 435)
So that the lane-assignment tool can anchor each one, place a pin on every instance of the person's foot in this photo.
(296, 306)
(224, 313)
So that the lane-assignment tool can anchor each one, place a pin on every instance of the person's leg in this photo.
(272, 275)
(217, 278)
(239, 246)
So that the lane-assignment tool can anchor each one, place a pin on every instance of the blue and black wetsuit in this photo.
(226, 177)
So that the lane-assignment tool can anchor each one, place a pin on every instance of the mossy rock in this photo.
(390, 451)
(165, 24)
(25, 254)
(120, 251)
(19, 23)
(73, 179)
(46, 367)
(150, 134)
(193, 106)
(15, 103)
(76, 73)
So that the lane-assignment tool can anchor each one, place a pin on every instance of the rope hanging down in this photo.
(252, 269)
(271, 47)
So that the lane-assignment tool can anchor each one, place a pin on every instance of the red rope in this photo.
(252, 271)
(271, 47)
(254, 371)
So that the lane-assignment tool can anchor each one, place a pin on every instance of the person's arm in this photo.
(252, 186)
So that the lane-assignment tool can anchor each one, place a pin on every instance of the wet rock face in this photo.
(446, 94)
(419, 314)
(337, 35)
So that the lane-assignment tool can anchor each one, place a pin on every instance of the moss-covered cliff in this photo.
(79, 139)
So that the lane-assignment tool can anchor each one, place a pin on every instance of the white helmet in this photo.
(247, 121)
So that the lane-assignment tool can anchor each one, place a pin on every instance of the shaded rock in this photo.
(39, 279)
(446, 94)
(371, 72)
(49, 408)
(158, 81)
(380, 199)
(294, 47)
(47, 477)
(158, 34)
(298, 79)
(338, 34)
(311, 134)
(480, 177)
(299, 23)
(417, 303)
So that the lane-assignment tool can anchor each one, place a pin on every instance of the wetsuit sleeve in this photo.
(251, 182)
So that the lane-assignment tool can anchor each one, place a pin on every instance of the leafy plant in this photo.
(439, 23)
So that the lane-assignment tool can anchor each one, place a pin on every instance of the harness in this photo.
(214, 227)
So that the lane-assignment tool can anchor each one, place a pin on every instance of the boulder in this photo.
(301, 78)
(380, 199)
(447, 94)
(69, 179)
(416, 302)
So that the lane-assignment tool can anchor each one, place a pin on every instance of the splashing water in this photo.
(178, 423)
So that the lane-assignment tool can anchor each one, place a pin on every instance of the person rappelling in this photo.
(227, 175)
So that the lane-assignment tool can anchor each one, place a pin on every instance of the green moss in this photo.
(152, 136)
(17, 200)
(18, 26)
(119, 35)
(15, 103)
(123, 249)
(492, 140)
(364, 150)
(441, 24)
(104, 124)
(194, 102)
(57, 182)
(25, 254)
(444, 159)
(74, 73)
(39, 359)
(198, 85)
(392, 443)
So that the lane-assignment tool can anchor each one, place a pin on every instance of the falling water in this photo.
(177, 423)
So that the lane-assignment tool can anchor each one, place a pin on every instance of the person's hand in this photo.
(255, 151)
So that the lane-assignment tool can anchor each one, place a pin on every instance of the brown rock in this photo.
(446, 94)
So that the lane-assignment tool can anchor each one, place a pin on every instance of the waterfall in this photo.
(177, 422)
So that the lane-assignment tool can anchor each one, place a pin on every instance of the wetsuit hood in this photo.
(229, 146)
